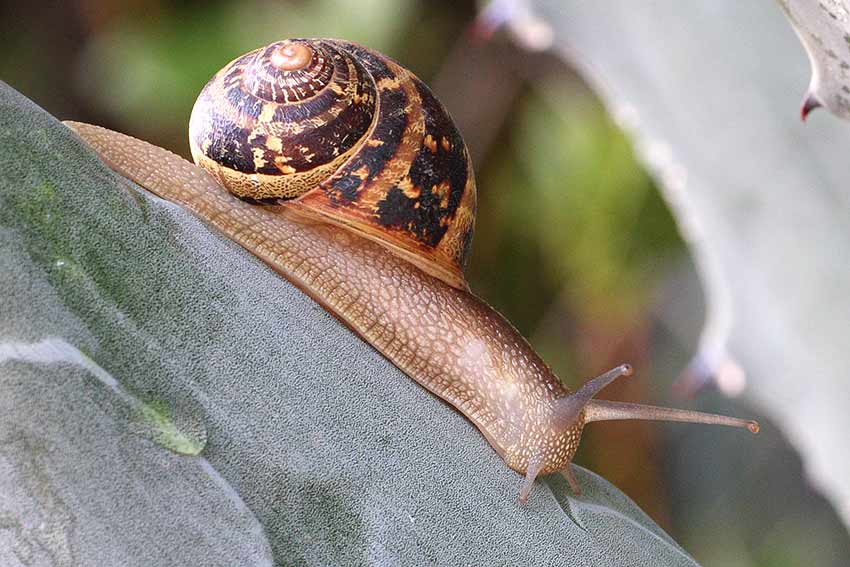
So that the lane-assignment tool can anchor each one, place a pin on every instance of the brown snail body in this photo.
(377, 237)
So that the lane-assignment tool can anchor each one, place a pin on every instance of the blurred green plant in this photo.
(567, 191)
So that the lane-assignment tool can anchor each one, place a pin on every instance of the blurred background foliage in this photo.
(573, 241)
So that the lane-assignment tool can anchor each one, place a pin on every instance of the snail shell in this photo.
(348, 136)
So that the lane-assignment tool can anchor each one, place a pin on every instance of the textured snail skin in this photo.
(446, 339)
(340, 170)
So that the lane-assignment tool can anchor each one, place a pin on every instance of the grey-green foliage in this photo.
(165, 399)
(709, 92)
(824, 31)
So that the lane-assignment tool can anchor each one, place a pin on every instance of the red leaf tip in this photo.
(810, 102)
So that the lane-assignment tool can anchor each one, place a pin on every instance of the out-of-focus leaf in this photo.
(167, 399)
(824, 30)
(761, 198)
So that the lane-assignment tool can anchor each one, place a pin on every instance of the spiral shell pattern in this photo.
(346, 135)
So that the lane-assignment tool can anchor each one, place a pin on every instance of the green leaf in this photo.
(167, 399)
(824, 30)
(761, 198)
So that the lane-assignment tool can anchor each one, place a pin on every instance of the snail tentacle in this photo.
(535, 465)
(604, 410)
(569, 474)
(568, 410)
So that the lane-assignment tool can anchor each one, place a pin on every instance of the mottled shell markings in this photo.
(352, 137)
(290, 114)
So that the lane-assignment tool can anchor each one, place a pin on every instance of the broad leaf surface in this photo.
(167, 399)
(708, 92)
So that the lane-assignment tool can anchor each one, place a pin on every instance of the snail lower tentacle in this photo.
(341, 171)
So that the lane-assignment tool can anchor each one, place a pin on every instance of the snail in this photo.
(340, 170)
